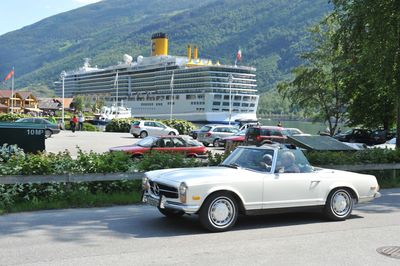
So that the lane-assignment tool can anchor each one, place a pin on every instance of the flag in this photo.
(239, 55)
(9, 75)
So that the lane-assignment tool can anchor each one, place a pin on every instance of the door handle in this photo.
(315, 181)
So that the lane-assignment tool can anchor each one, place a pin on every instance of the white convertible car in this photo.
(256, 180)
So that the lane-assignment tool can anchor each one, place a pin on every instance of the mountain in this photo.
(270, 34)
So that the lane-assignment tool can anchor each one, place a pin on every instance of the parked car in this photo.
(247, 125)
(178, 144)
(381, 136)
(262, 134)
(194, 133)
(50, 128)
(256, 180)
(211, 134)
(357, 135)
(151, 128)
(292, 131)
(390, 145)
(237, 137)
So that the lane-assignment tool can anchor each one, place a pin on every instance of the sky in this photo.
(15, 14)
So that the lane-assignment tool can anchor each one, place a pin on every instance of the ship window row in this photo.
(234, 104)
(197, 85)
(233, 110)
(192, 83)
(235, 97)
(197, 103)
(200, 109)
(203, 90)
(158, 98)
(167, 79)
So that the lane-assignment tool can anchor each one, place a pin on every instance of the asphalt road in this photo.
(92, 141)
(139, 235)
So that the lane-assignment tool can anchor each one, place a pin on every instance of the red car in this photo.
(261, 134)
(179, 144)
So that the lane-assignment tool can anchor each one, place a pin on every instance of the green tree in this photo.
(78, 103)
(318, 86)
(370, 35)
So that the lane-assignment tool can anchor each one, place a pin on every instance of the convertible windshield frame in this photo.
(250, 158)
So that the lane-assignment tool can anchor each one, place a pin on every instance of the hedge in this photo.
(124, 124)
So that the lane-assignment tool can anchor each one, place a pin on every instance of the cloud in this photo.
(86, 2)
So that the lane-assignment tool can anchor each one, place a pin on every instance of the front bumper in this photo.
(164, 203)
(369, 198)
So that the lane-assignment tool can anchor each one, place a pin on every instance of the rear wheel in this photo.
(339, 205)
(219, 212)
(171, 213)
(216, 143)
(48, 133)
(143, 134)
(172, 133)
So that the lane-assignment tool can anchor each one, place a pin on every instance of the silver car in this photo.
(151, 128)
(211, 134)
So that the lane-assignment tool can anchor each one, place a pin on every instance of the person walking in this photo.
(81, 119)
(73, 122)
(279, 124)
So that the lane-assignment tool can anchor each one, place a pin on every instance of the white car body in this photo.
(255, 191)
(151, 128)
(390, 145)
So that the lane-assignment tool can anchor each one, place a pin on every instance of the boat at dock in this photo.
(163, 86)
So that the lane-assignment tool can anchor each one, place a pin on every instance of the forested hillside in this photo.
(270, 33)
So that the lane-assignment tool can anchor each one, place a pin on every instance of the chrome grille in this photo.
(165, 190)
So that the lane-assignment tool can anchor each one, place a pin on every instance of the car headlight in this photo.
(182, 192)
(145, 183)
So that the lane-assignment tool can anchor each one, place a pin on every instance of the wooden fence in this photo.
(38, 179)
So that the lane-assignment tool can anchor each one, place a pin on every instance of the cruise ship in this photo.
(164, 86)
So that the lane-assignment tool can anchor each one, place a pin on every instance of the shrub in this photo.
(72, 193)
(124, 125)
(353, 157)
(184, 127)
(9, 117)
(164, 160)
(7, 151)
(119, 125)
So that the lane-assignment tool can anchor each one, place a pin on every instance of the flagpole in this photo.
(172, 94)
(12, 91)
(230, 79)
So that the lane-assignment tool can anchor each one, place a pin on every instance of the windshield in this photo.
(146, 142)
(205, 128)
(291, 131)
(191, 142)
(241, 133)
(251, 158)
(292, 161)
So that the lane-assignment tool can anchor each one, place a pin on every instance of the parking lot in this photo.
(92, 141)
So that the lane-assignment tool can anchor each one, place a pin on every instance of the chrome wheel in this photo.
(341, 203)
(221, 212)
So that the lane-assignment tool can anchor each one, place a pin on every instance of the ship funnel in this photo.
(159, 44)
(189, 52)
(196, 53)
